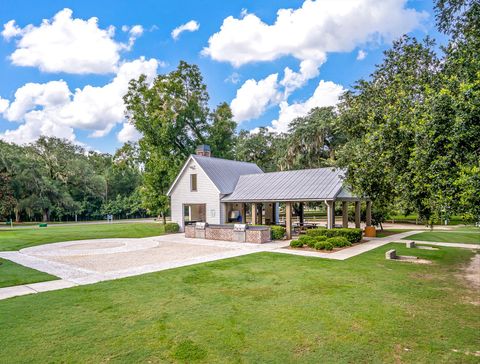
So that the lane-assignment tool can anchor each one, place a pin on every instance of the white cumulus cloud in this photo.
(67, 44)
(128, 133)
(3, 104)
(254, 97)
(190, 26)
(327, 93)
(51, 109)
(11, 30)
(308, 34)
(316, 28)
(361, 55)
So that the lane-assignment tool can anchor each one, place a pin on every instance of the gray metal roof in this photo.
(300, 185)
(225, 173)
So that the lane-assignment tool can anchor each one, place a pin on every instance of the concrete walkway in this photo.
(91, 261)
(448, 245)
(343, 254)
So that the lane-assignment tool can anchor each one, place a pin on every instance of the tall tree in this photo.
(172, 115)
(380, 117)
(314, 139)
(221, 132)
(257, 147)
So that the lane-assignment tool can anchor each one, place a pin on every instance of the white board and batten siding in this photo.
(206, 193)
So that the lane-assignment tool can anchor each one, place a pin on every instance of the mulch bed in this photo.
(306, 248)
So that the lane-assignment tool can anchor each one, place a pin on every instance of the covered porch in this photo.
(282, 213)
(259, 199)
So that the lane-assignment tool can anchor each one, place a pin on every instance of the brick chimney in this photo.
(204, 150)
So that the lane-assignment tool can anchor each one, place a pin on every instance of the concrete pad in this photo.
(50, 285)
(449, 245)
(8, 292)
(91, 261)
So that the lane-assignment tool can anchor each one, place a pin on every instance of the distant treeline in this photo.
(53, 179)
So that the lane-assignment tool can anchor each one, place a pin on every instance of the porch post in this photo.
(274, 213)
(330, 214)
(357, 214)
(288, 219)
(260, 213)
(254, 214)
(368, 217)
(242, 213)
(345, 214)
(301, 215)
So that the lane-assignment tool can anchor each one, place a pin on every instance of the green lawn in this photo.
(466, 236)
(260, 308)
(12, 274)
(388, 232)
(16, 239)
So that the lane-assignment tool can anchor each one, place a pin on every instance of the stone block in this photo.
(391, 254)
(411, 244)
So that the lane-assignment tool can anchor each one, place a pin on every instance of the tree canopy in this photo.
(408, 137)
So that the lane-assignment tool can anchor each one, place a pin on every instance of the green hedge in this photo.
(313, 239)
(308, 240)
(277, 232)
(352, 235)
(339, 241)
(171, 227)
(324, 245)
(297, 243)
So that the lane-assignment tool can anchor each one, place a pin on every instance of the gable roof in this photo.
(300, 185)
(223, 173)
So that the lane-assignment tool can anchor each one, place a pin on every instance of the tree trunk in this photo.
(45, 215)
(17, 216)
(164, 218)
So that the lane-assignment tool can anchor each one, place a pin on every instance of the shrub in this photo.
(320, 245)
(321, 238)
(339, 241)
(277, 232)
(352, 235)
(307, 240)
(297, 243)
(171, 227)
(328, 246)
(317, 232)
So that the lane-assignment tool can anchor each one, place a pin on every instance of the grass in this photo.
(16, 239)
(388, 232)
(12, 274)
(259, 308)
(465, 236)
(413, 218)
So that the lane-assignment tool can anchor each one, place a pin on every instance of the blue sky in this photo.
(65, 77)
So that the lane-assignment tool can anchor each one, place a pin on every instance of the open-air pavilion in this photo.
(221, 191)
(264, 192)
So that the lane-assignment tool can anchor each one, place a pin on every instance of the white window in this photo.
(193, 182)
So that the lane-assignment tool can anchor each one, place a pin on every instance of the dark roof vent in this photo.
(204, 150)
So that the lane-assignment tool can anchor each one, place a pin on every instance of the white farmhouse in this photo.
(219, 191)
(203, 181)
